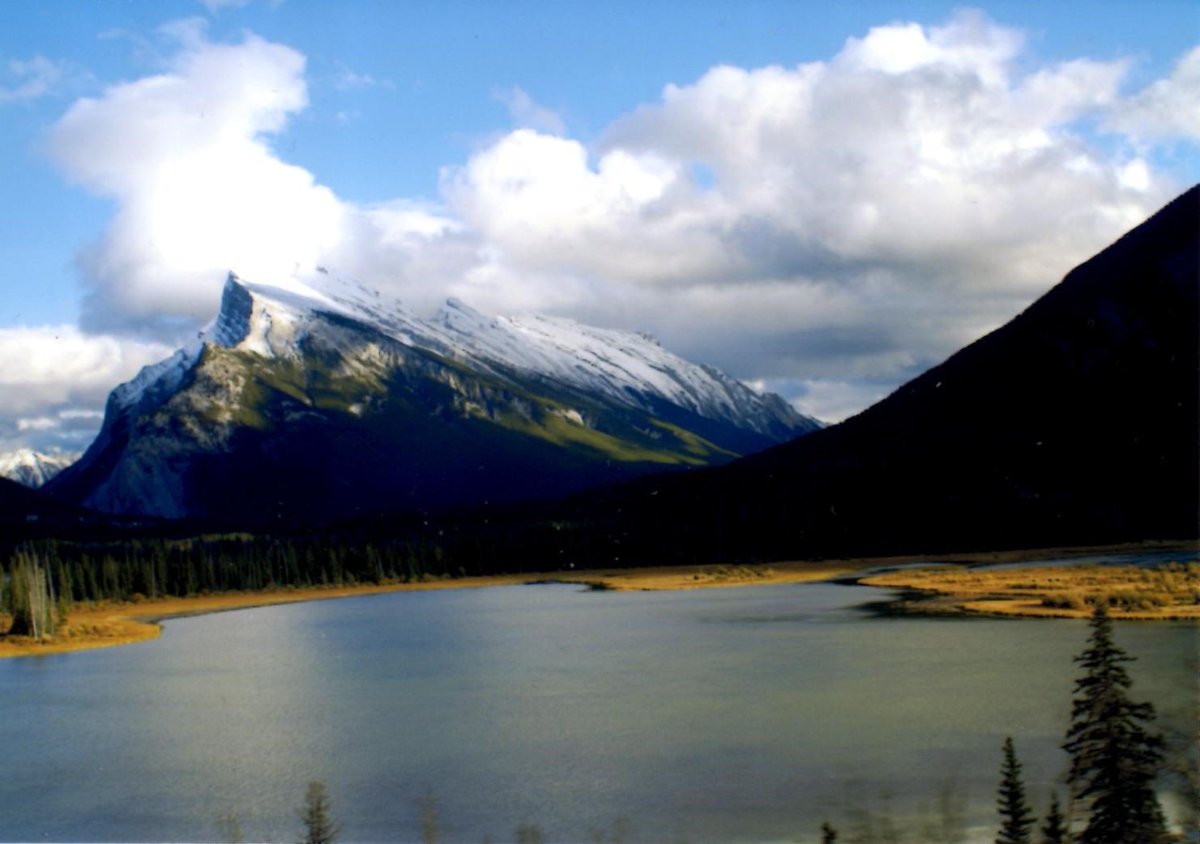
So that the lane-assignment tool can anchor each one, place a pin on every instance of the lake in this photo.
(743, 714)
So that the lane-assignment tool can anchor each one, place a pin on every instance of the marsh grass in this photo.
(1171, 590)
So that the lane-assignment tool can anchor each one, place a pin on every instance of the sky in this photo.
(822, 199)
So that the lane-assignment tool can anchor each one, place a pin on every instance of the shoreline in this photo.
(1168, 592)
(110, 625)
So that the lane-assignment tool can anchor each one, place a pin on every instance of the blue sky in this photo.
(821, 198)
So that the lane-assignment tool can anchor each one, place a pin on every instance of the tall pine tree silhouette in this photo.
(1114, 757)
(1017, 819)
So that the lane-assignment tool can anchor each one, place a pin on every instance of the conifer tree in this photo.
(1114, 758)
(1054, 830)
(319, 827)
(828, 833)
(1015, 812)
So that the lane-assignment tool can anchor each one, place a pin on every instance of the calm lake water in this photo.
(748, 714)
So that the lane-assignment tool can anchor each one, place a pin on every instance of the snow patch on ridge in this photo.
(33, 468)
(627, 367)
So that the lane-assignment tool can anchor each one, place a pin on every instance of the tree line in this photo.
(155, 568)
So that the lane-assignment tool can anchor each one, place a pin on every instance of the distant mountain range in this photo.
(33, 468)
(1075, 423)
(325, 402)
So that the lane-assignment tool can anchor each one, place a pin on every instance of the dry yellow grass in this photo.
(1165, 592)
(700, 577)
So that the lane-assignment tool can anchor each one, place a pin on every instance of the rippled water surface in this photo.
(715, 715)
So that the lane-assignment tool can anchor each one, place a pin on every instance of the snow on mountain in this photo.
(328, 400)
(31, 468)
(629, 368)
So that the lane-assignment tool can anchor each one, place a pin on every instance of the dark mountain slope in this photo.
(27, 513)
(18, 502)
(1077, 422)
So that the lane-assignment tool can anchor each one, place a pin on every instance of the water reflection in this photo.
(721, 715)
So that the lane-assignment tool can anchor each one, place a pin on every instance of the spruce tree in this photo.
(319, 827)
(1114, 758)
(1054, 830)
(1017, 819)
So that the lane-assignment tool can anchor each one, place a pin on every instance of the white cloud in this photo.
(22, 80)
(526, 113)
(831, 400)
(829, 228)
(55, 379)
(40, 423)
(186, 155)
(1167, 109)
(215, 6)
(350, 80)
(855, 217)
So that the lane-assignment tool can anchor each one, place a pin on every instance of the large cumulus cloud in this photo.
(826, 229)
(197, 187)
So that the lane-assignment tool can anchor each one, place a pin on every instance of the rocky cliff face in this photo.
(327, 402)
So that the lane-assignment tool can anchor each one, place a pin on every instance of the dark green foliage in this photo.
(1114, 758)
(319, 827)
(149, 568)
(828, 833)
(1017, 818)
(1054, 830)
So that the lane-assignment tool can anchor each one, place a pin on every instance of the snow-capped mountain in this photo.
(361, 405)
(32, 468)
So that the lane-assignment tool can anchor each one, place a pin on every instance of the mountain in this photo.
(32, 468)
(18, 502)
(1075, 423)
(325, 401)
(27, 514)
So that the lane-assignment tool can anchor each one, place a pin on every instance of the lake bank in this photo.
(947, 590)
(1170, 592)
(112, 624)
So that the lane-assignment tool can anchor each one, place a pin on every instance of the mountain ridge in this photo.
(34, 469)
(499, 399)
(1074, 423)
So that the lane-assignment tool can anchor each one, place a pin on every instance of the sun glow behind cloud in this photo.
(824, 229)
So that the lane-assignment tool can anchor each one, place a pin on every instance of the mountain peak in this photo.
(325, 378)
(33, 468)
(626, 366)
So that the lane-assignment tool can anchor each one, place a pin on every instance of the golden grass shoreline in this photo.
(108, 625)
